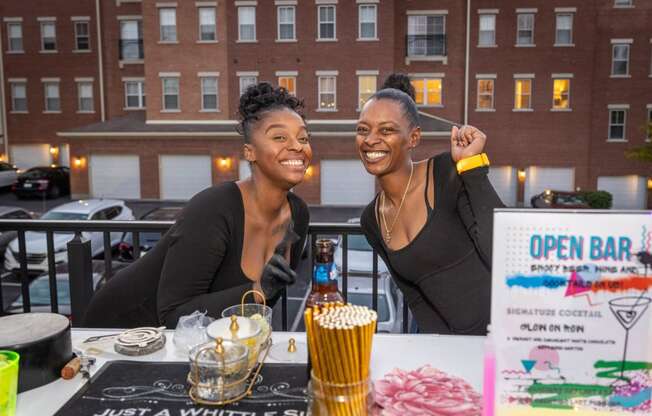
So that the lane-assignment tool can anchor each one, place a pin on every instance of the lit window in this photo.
(487, 30)
(52, 98)
(523, 94)
(289, 83)
(428, 91)
(246, 23)
(246, 81)
(134, 94)
(564, 33)
(131, 40)
(286, 23)
(617, 120)
(561, 94)
(209, 94)
(326, 22)
(48, 36)
(367, 15)
(327, 93)
(168, 21)
(170, 93)
(85, 92)
(19, 97)
(525, 34)
(486, 94)
(620, 59)
(426, 35)
(15, 33)
(366, 88)
(207, 24)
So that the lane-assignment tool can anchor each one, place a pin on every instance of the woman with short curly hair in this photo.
(230, 238)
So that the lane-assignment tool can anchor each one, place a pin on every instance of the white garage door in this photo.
(182, 176)
(28, 156)
(115, 176)
(504, 181)
(244, 170)
(629, 192)
(539, 179)
(345, 182)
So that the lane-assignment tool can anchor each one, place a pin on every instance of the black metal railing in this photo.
(131, 49)
(79, 259)
(426, 45)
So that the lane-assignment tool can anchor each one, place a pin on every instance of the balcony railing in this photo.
(131, 49)
(80, 270)
(426, 45)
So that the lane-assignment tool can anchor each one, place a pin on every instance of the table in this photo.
(461, 356)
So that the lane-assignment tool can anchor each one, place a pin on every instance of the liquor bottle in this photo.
(324, 278)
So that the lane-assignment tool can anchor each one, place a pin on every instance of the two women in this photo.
(230, 238)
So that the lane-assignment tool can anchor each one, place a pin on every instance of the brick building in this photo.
(139, 96)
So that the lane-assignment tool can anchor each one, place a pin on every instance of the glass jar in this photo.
(255, 311)
(331, 399)
(218, 371)
(241, 330)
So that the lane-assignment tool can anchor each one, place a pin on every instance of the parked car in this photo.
(8, 174)
(43, 181)
(12, 213)
(149, 238)
(91, 209)
(559, 199)
(39, 288)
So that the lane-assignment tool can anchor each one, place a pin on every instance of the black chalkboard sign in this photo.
(137, 388)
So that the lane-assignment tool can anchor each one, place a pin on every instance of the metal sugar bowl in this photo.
(221, 371)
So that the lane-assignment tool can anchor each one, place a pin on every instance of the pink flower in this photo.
(426, 391)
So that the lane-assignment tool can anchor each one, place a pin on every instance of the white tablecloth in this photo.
(457, 355)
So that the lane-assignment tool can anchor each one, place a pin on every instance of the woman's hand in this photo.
(466, 142)
(277, 274)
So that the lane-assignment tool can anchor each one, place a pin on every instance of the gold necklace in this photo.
(388, 230)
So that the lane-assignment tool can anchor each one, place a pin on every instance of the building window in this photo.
(564, 33)
(135, 94)
(246, 23)
(48, 36)
(209, 94)
(15, 34)
(487, 30)
(326, 22)
(52, 99)
(170, 93)
(523, 94)
(289, 83)
(327, 93)
(428, 91)
(19, 97)
(485, 94)
(621, 3)
(617, 120)
(131, 40)
(207, 24)
(525, 32)
(620, 59)
(168, 22)
(426, 35)
(368, 17)
(85, 92)
(366, 88)
(285, 15)
(246, 81)
(561, 94)
(648, 130)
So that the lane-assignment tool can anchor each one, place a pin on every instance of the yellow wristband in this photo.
(472, 162)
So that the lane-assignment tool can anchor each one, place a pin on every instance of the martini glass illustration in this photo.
(628, 311)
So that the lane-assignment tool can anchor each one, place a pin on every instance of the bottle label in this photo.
(324, 273)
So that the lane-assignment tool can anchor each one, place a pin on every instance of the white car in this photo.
(8, 174)
(91, 209)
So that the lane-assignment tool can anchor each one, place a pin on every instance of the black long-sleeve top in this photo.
(195, 266)
(445, 272)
